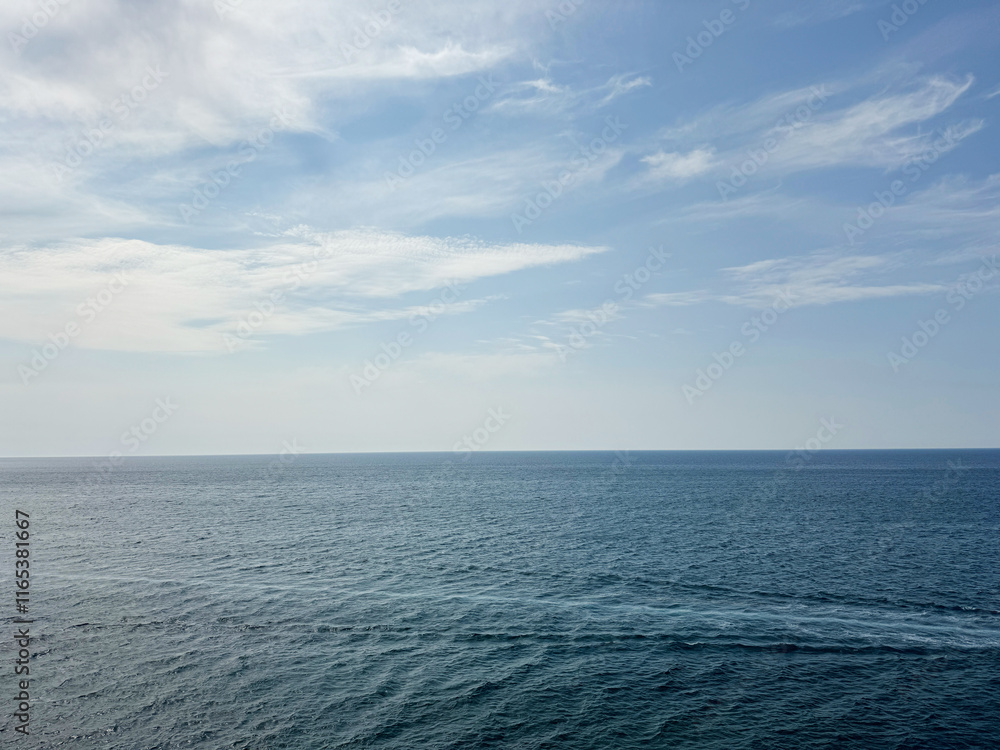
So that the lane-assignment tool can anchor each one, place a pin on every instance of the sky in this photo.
(429, 225)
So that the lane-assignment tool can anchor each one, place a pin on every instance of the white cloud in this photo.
(811, 131)
(220, 77)
(954, 206)
(679, 167)
(749, 120)
(225, 75)
(183, 84)
(623, 84)
(872, 132)
(577, 316)
(184, 299)
(819, 279)
(544, 96)
(495, 184)
(409, 62)
(675, 299)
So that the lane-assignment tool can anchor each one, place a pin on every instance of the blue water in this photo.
(520, 600)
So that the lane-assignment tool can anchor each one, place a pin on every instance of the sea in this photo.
(722, 600)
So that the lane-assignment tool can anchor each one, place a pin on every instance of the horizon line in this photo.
(501, 452)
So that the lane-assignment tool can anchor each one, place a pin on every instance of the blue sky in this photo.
(361, 226)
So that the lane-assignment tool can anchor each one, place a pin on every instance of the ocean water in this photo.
(516, 600)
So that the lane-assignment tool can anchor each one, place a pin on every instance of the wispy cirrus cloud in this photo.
(820, 279)
(468, 184)
(817, 279)
(545, 97)
(955, 206)
(813, 128)
(823, 11)
(872, 132)
(675, 299)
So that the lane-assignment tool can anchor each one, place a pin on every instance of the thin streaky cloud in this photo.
(824, 11)
(874, 132)
(324, 281)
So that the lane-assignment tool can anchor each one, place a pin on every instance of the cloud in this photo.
(823, 11)
(469, 184)
(771, 204)
(957, 212)
(576, 328)
(675, 299)
(954, 206)
(184, 299)
(223, 68)
(145, 102)
(818, 279)
(807, 130)
(623, 84)
(679, 167)
(411, 63)
(577, 316)
(544, 96)
(871, 133)
(731, 122)
(953, 220)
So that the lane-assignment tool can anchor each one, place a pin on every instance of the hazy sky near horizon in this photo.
(239, 226)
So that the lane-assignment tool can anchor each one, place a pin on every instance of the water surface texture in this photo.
(518, 600)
